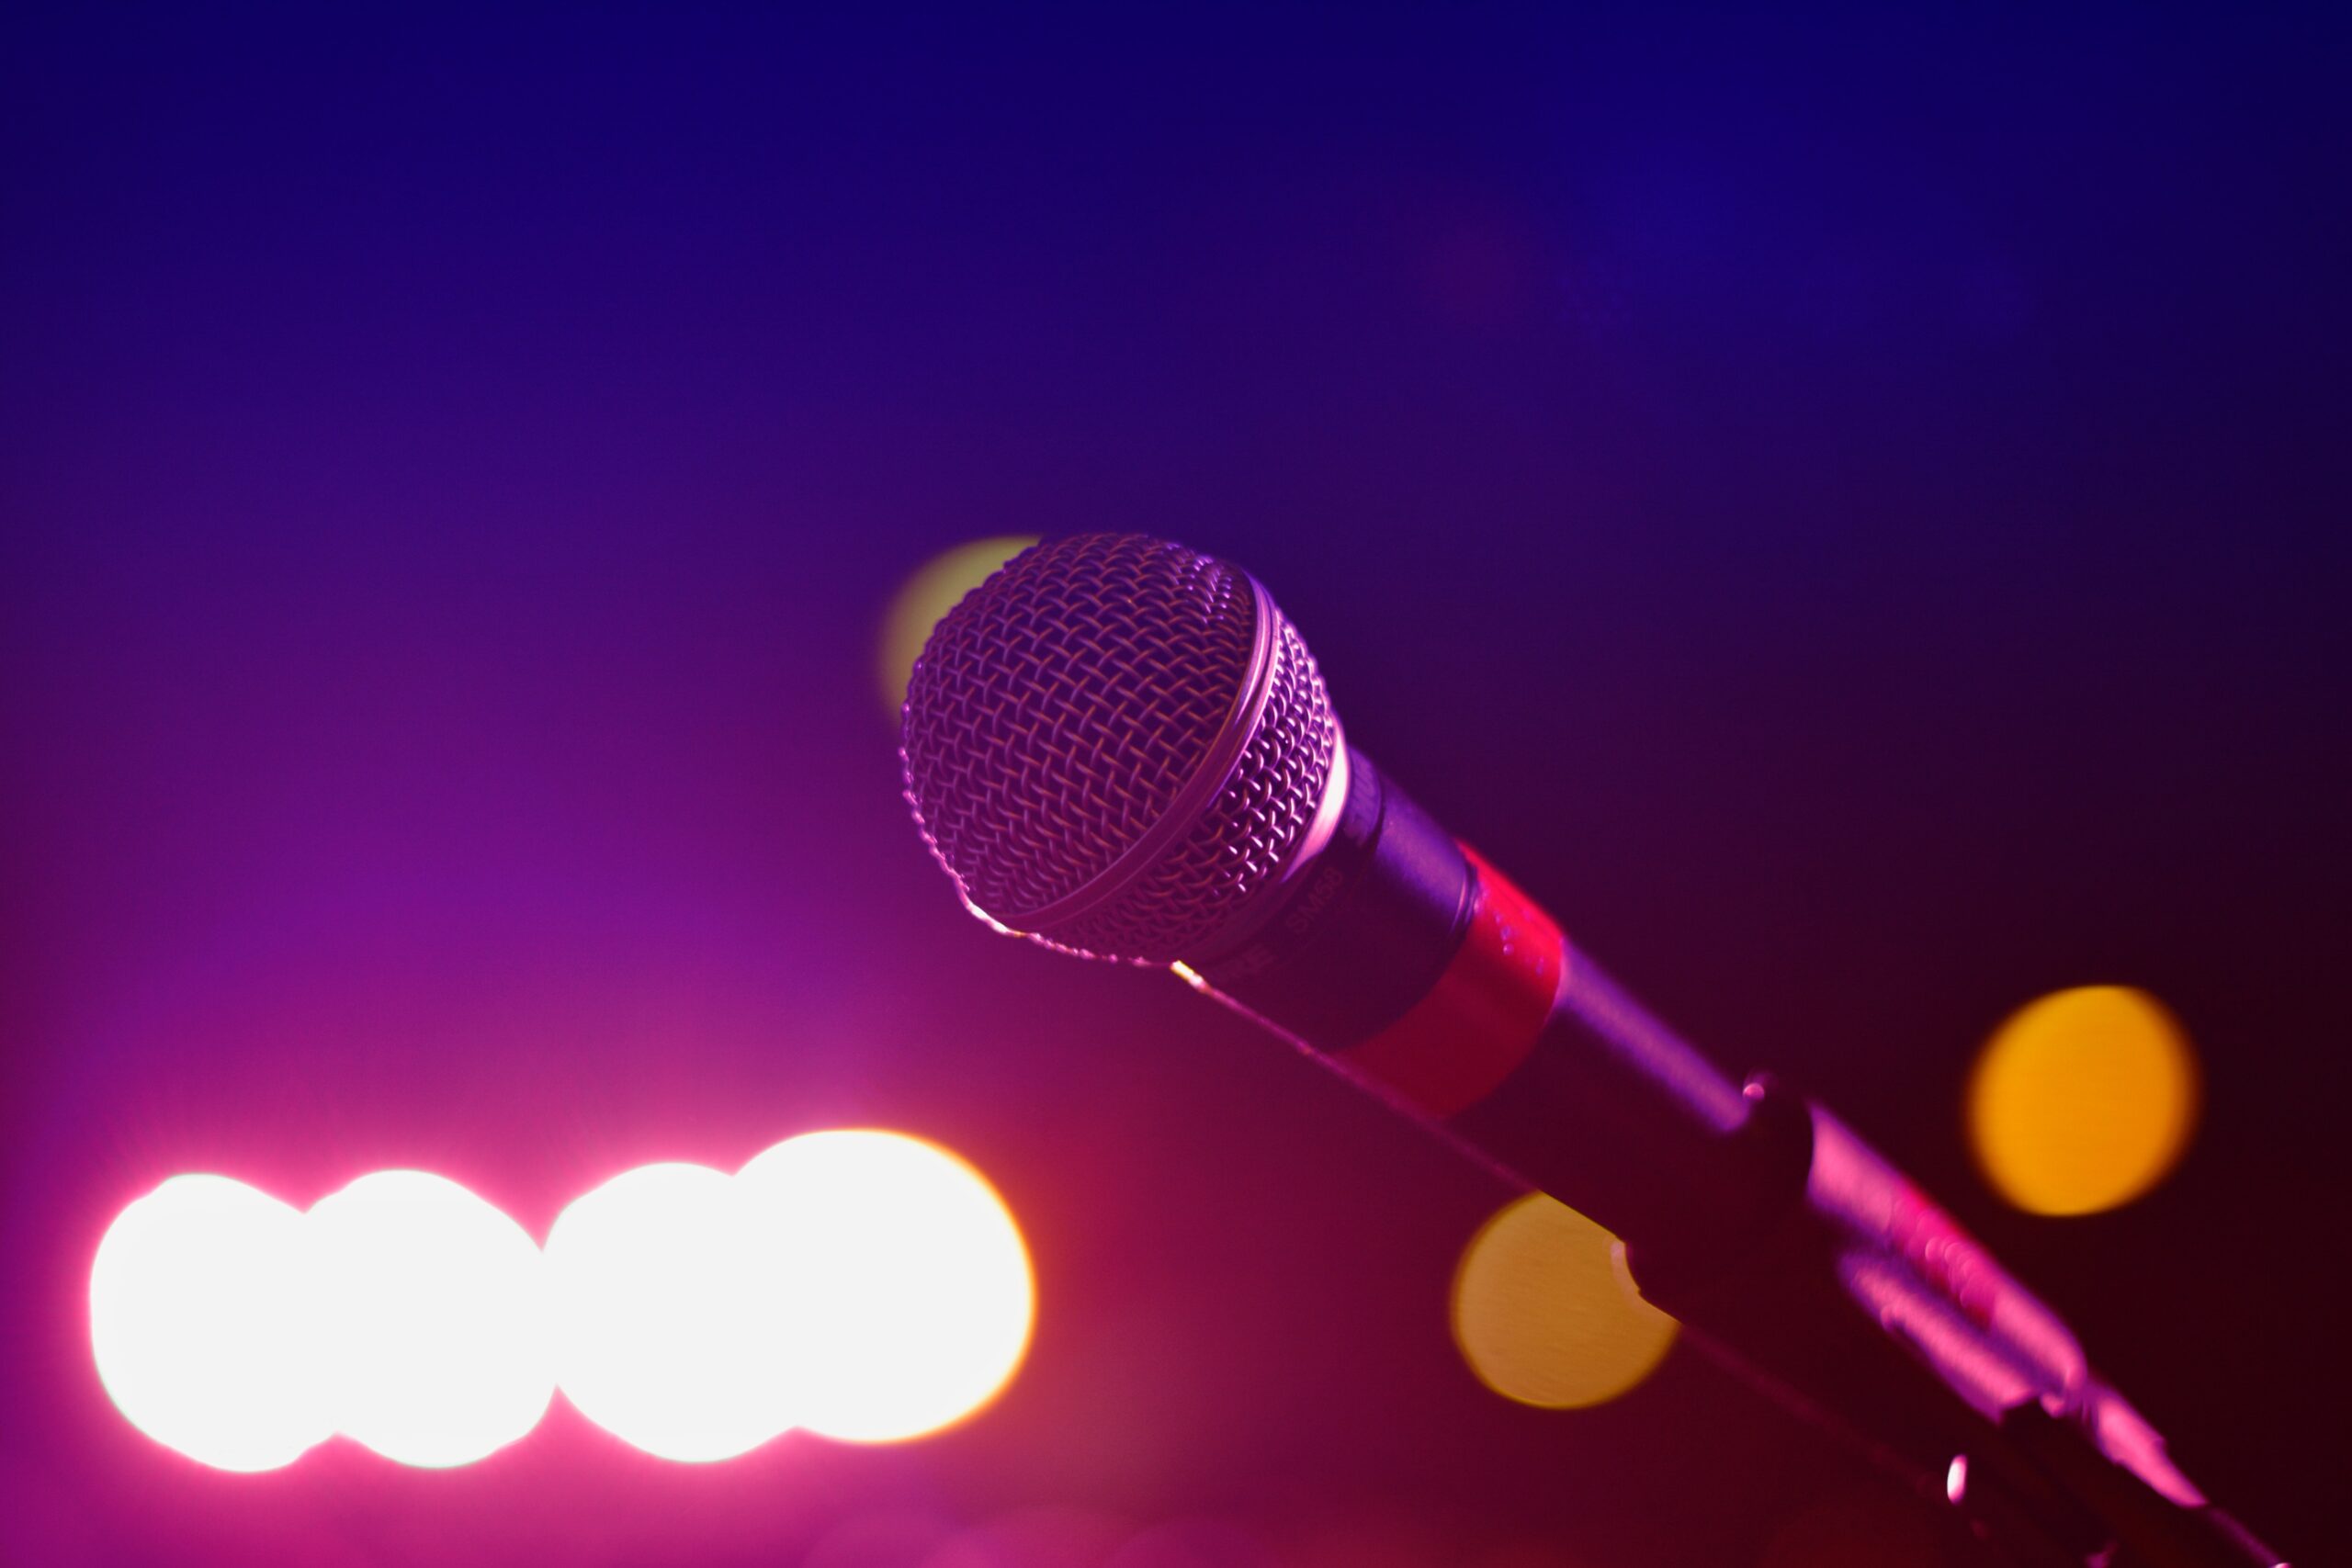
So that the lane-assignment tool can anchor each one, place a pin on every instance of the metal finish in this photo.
(1112, 743)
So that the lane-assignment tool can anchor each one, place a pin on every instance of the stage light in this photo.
(910, 1288)
(667, 1314)
(2083, 1100)
(434, 1318)
(203, 1325)
(868, 1285)
(929, 593)
(1544, 1315)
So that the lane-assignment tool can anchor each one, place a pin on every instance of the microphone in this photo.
(1121, 749)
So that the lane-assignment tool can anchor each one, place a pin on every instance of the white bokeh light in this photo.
(666, 1314)
(865, 1285)
(909, 1300)
(203, 1325)
(434, 1318)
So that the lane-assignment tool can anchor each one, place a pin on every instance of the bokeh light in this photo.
(2083, 1100)
(912, 1297)
(668, 1314)
(1543, 1313)
(433, 1316)
(866, 1285)
(929, 593)
(203, 1325)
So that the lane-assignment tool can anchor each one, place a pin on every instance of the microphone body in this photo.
(1122, 749)
(1403, 960)
(1412, 966)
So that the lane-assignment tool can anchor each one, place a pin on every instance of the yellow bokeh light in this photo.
(929, 593)
(1543, 1313)
(2083, 1100)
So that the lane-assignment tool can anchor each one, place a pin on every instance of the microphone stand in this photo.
(1916, 1366)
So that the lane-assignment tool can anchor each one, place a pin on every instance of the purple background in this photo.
(1850, 513)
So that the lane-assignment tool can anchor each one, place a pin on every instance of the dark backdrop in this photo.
(1850, 510)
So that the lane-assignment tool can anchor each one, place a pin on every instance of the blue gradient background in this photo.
(1849, 510)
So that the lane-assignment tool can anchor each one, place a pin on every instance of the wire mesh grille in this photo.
(1056, 712)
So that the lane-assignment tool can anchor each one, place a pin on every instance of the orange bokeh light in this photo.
(2083, 1100)
(1544, 1314)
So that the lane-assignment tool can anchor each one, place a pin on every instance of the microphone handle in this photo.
(1400, 957)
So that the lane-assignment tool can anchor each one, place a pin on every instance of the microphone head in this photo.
(1113, 743)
